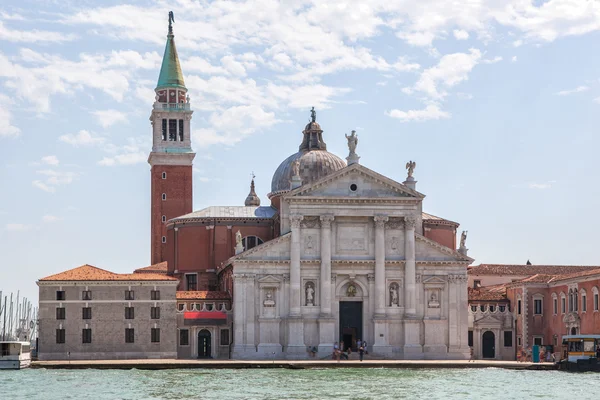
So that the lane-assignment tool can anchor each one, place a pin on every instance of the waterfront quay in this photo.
(300, 364)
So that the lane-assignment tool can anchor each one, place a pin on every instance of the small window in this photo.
(470, 339)
(164, 175)
(473, 308)
(155, 295)
(519, 343)
(164, 218)
(191, 282)
(583, 303)
(537, 306)
(224, 337)
(180, 306)
(155, 335)
(129, 295)
(209, 306)
(483, 307)
(492, 308)
(184, 337)
(555, 306)
(476, 283)
(563, 304)
(508, 338)
(198, 306)
(353, 187)
(538, 340)
(129, 313)
(164, 129)
(251, 241)
(129, 335)
(502, 308)
(60, 313)
(86, 313)
(155, 313)
(86, 335)
(164, 239)
(60, 336)
(164, 196)
(595, 301)
(60, 295)
(86, 295)
(519, 307)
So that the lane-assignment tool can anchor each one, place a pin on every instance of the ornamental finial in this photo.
(171, 20)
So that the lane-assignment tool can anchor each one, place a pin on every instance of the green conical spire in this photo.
(170, 71)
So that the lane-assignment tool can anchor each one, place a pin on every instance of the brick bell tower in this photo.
(171, 157)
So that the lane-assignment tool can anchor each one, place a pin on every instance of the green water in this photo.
(341, 383)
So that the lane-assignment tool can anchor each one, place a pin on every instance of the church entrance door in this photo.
(351, 314)
(489, 345)
(204, 344)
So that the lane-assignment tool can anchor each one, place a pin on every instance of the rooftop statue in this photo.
(296, 168)
(410, 166)
(313, 115)
(171, 18)
(352, 142)
(463, 239)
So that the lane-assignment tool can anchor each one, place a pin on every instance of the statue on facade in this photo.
(351, 291)
(433, 301)
(394, 295)
(296, 167)
(269, 301)
(239, 247)
(313, 115)
(352, 142)
(463, 240)
(310, 291)
(410, 166)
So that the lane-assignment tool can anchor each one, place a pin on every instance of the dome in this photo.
(314, 164)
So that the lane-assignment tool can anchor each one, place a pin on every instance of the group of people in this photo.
(340, 351)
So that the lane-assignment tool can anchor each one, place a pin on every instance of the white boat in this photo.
(15, 355)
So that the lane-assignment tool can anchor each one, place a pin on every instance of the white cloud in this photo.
(578, 89)
(50, 160)
(107, 118)
(460, 34)
(597, 100)
(33, 36)
(6, 128)
(518, 43)
(18, 227)
(430, 112)
(41, 185)
(540, 186)
(134, 152)
(82, 138)
(50, 218)
(450, 71)
(513, 59)
(55, 177)
(492, 60)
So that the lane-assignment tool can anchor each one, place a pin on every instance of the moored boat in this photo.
(15, 355)
(581, 353)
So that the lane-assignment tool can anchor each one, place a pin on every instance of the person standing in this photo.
(335, 351)
(361, 352)
(358, 343)
(472, 358)
(365, 347)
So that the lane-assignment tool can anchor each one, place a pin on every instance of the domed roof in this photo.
(314, 165)
(315, 161)
(252, 199)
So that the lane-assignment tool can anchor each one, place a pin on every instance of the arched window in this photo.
(563, 303)
(554, 304)
(595, 295)
(570, 300)
(575, 300)
(251, 241)
(583, 300)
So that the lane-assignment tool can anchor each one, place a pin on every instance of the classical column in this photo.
(410, 301)
(325, 284)
(239, 314)
(295, 266)
(380, 291)
(176, 249)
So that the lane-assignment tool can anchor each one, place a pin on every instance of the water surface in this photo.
(339, 383)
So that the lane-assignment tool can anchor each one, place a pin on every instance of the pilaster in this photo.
(409, 266)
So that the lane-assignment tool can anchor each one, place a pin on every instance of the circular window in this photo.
(353, 187)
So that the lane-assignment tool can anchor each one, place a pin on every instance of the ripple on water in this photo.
(267, 384)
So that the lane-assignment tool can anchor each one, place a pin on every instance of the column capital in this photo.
(380, 220)
(333, 276)
(371, 278)
(295, 220)
(410, 222)
(326, 220)
(209, 227)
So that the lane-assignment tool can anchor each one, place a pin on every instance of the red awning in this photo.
(204, 315)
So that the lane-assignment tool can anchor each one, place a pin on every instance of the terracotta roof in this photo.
(160, 268)
(581, 274)
(90, 273)
(527, 270)
(202, 295)
(488, 293)
(434, 219)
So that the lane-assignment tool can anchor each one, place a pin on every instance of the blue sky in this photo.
(497, 102)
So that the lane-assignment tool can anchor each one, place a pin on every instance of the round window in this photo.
(353, 187)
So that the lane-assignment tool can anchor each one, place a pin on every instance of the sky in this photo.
(498, 102)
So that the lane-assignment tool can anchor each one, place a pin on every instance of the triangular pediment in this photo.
(356, 181)
(269, 279)
(277, 249)
(433, 280)
(490, 320)
(429, 250)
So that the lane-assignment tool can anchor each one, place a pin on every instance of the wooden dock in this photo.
(288, 364)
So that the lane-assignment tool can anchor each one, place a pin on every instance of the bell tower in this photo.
(171, 156)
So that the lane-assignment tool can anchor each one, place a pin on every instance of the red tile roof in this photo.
(435, 219)
(202, 295)
(90, 273)
(488, 293)
(527, 270)
(581, 274)
(160, 268)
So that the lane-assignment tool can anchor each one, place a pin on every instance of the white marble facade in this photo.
(353, 238)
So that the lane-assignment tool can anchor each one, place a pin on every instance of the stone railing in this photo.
(172, 106)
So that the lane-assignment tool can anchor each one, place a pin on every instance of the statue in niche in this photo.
(269, 301)
(463, 240)
(410, 166)
(309, 243)
(394, 243)
(351, 291)
(393, 295)
(352, 142)
(296, 167)
(310, 294)
(433, 301)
